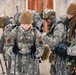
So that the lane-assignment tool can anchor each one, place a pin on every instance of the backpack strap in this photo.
(34, 37)
(15, 47)
(33, 47)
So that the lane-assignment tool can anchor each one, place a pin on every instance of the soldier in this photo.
(25, 36)
(71, 50)
(70, 40)
(1, 51)
(4, 20)
(55, 34)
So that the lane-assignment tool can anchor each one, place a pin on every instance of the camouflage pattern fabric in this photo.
(45, 13)
(37, 21)
(17, 17)
(25, 40)
(71, 65)
(55, 37)
(71, 58)
(72, 49)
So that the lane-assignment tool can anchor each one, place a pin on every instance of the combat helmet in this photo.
(49, 14)
(4, 20)
(45, 13)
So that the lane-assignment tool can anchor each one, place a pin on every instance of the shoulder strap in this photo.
(34, 37)
(51, 30)
(33, 47)
(16, 34)
(15, 47)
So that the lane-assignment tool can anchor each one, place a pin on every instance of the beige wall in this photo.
(8, 7)
(61, 6)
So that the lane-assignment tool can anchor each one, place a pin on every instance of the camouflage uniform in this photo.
(71, 56)
(54, 36)
(6, 31)
(25, 41)
(4, 20)
(71, 50)
(37, 21)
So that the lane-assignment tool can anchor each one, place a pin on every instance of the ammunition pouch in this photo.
(61, 51)
(33, 50)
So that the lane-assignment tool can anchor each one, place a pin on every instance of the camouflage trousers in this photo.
(58, 66)
(25, 65)
(71, 65)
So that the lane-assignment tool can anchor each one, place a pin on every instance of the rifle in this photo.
(17, 8)
(16, 16)
(42, 9)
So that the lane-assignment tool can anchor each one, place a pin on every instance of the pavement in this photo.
(45, 67)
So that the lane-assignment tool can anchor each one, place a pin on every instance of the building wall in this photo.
(8, 7)
(38, 5)
(61, 6)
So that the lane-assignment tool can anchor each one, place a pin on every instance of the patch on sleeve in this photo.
(9, 39)
(40, 39)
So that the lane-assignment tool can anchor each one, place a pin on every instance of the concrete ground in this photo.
(45, 67)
